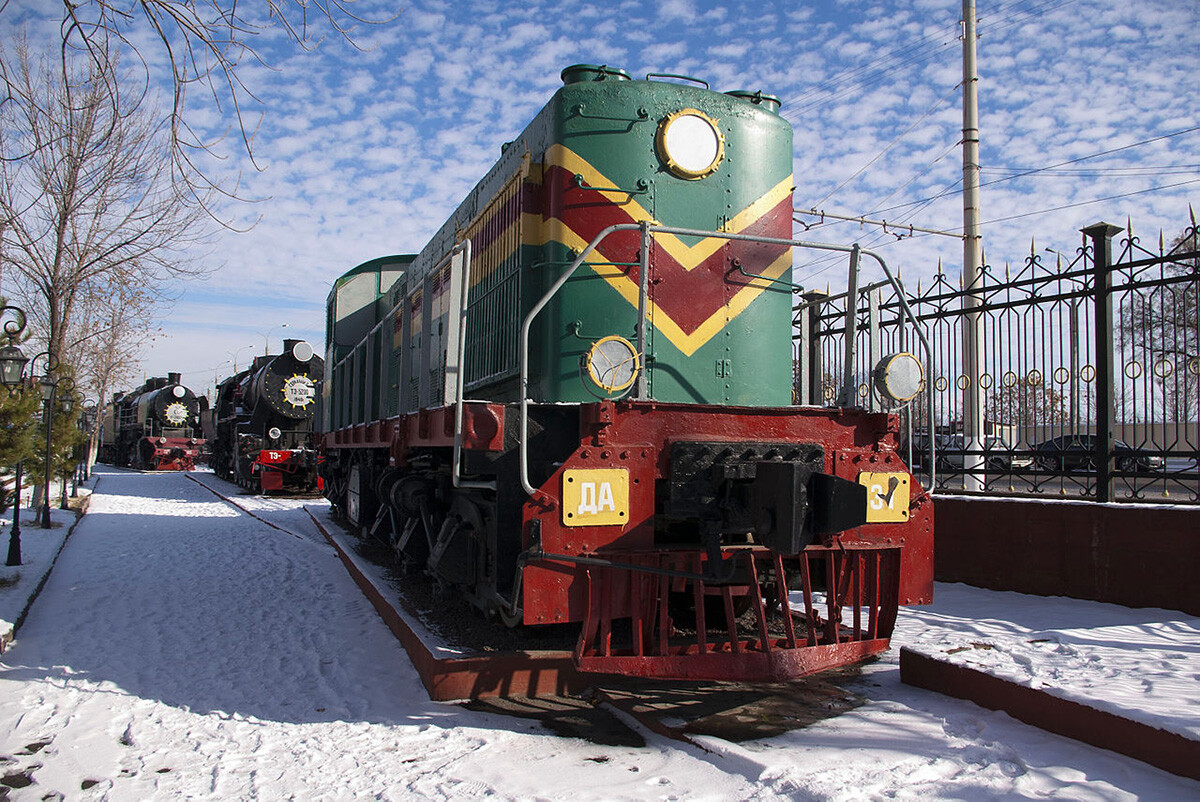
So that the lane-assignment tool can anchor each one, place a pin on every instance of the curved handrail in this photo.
(647, 231)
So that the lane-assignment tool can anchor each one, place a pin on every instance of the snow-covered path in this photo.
(183, 649)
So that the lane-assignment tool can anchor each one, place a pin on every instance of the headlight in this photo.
(899, 377)
(302, 351)
(690, 144)
(612, 363)
(274, 433)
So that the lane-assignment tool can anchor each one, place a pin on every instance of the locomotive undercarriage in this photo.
(712, 594)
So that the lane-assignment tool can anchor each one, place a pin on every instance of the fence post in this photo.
(812, 366)
(1101, 235)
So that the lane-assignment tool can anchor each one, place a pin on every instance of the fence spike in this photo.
(1006, 273)
(1161, 244)
(939, 266)
(1192, 214)
(1032, 247)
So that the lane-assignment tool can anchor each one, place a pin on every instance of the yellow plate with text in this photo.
(887, 496)
(595, 497)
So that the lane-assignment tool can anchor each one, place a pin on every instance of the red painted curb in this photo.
(450, 679)
(1169, 751)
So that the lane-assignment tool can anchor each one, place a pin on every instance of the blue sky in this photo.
(365, 152)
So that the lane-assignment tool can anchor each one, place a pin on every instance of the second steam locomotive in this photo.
(575, 403)
(261, 422)
(155, 427)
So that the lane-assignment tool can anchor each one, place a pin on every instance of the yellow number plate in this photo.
(598, 497)
(887, 496)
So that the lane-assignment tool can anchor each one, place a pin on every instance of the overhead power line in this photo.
(1096, 200)
(1035, 171)
(897, 229)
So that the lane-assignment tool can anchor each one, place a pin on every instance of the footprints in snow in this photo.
(13, 775)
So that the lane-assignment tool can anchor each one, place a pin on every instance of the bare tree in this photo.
(86, 197)
(1026, 405)
(1161, 327)
(204, 44)
(116, 321)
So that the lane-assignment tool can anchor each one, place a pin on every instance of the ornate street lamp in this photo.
(12, 363)
(48, 385)
(67, 401)
(12, 367)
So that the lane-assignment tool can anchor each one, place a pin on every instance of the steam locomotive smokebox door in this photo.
(791, 504)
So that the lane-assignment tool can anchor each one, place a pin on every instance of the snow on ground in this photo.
(183, 649)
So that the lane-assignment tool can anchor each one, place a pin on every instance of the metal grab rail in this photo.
(464, 248)
(647, 231)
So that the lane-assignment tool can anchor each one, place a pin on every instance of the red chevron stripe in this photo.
(688, 297)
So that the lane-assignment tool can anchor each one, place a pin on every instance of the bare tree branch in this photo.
(90, 213)
(205, 43)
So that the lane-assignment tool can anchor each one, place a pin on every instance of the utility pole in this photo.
(972, 274)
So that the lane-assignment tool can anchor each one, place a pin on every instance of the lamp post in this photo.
(48, 385)
(12, 368)
(267, 337)
(66, 401)
(233, 355)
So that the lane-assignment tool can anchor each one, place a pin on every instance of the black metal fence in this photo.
(1091, 374)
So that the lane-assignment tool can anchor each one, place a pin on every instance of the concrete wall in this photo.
(1134, 555)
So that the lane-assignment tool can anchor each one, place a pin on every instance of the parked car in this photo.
(999, 456)
(920, 450)
(1075, 452)
(951, 454)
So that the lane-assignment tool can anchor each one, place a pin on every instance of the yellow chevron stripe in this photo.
(687, 256)
(688, 344)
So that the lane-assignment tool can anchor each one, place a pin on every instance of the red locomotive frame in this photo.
(597, 575)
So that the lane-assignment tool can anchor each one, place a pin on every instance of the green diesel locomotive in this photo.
(575, 403)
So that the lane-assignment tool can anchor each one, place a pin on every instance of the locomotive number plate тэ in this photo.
(595, 497)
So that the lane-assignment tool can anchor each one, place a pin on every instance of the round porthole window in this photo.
(690, 144)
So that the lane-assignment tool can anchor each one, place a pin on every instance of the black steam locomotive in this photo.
(155, 427)
(262, 422)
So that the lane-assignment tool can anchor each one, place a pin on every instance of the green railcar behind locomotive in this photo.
(575, 403)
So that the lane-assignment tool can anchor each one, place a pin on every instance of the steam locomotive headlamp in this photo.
(612, 363)
(899, 377)
(302, 351)
(274, 433)
(690, 144)
(178, 391)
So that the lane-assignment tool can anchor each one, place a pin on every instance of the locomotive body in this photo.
(155, 427)
(574, 404)
(262, 422)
